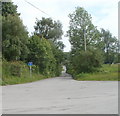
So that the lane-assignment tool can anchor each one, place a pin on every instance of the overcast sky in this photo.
(104, 13)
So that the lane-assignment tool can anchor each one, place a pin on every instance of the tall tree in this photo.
(83, 37)
(14, 33)
(52, 32)
(49, 29)
(8, 8)
(108, 44)
(14, 38)
(82, 32)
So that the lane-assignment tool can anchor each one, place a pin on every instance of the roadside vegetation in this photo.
(43, 48)
(106, 73)
(92, 50)
(18, 72)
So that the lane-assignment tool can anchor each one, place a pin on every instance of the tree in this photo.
(0, 35)
(59, 57)
(41, 55)
(82, 32)
(8, 8)
(14, 38)
(48, 29)
(52, 32)
(83, 36)
(88, 61)
(109, 45)
(14, 33)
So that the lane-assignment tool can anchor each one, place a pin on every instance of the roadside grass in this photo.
(20, 80)
(18, 73)
(106, 73)
(0, 71)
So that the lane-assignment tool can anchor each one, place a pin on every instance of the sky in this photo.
(104, 13)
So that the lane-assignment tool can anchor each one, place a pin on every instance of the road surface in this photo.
(61, 95)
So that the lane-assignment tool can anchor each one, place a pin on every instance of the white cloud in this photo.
(104, 13)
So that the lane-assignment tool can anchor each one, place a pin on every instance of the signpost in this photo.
(30, 65)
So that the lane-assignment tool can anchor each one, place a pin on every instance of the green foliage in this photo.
(17, 69)
(14, 33)
(83, 34)
(66, 58)
(52, 32)
(0, 70)
(41, 55)
(0, 35)
(81, 30)
(109, 45)
(8, 8)
(106, 73)
(90, 48)
(59, 57)
(35, 69)
(43, 48)
(48, 29)
(14, 38)
(11, 74)
(88, 61)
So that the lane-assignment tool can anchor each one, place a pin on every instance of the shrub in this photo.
(41, 55)
(85, 61)
(16, 69)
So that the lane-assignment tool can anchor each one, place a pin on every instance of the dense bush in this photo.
(18, 72)
(43, 48)
(41, 55)
(59, 57)
(16, 69)
(83, 62)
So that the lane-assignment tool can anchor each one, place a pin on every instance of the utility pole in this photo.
(84, 34)
(85, 39)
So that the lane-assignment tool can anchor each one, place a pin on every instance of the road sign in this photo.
(30, 63)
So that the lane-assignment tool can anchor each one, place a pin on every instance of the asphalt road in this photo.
(61, 95)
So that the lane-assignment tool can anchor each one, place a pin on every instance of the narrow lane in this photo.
(61, 95)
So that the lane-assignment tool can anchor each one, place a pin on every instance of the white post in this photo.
(85, 39)
(30, 71)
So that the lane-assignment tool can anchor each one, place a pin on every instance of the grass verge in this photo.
(20, 80)
(106, 73)
(18, 73)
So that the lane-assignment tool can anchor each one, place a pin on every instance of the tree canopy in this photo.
(82, 33)
(14, 34)
(8, 8)
(90, 47)
(48, 29)
(41, 55)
